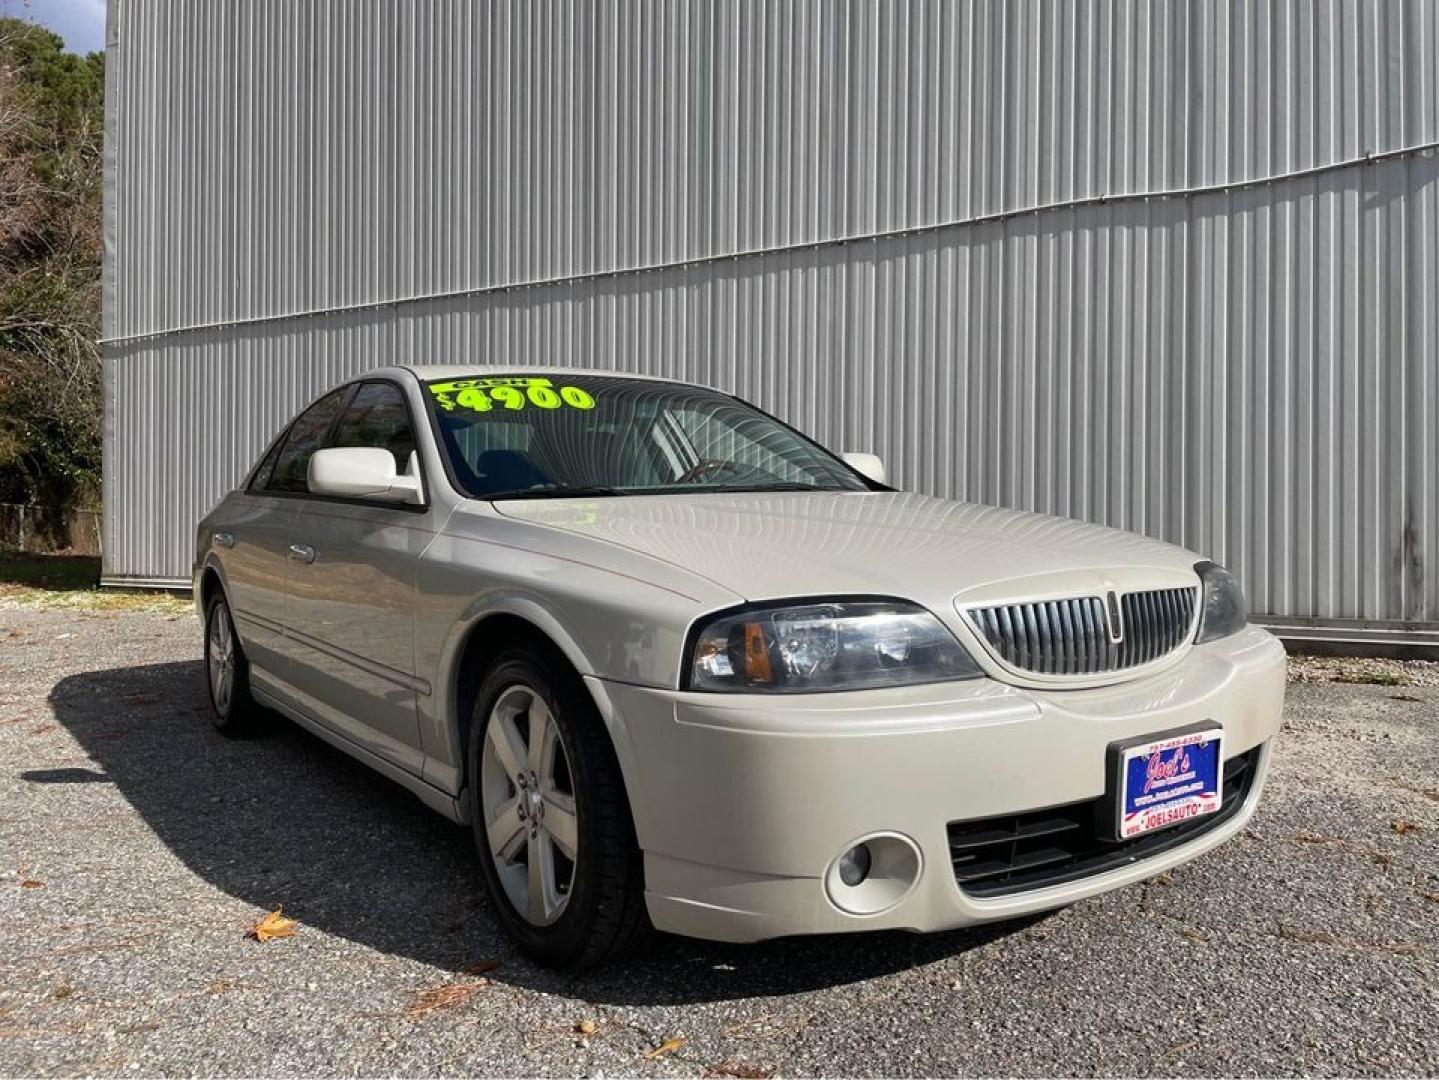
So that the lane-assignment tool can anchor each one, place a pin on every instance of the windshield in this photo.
(524, 436)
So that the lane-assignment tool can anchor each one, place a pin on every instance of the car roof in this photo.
(429, 372)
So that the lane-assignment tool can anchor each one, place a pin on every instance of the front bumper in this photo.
(742, 803)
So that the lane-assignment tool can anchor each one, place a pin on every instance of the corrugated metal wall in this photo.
(962, 235)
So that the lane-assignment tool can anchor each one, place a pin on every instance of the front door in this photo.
(352, 594)
(258, 535)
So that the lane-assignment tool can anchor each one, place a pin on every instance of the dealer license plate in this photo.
(1169, 779)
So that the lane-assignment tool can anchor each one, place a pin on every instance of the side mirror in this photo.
(867, 465)
(361, 472)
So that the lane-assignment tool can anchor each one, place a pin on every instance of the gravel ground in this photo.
(138, 846)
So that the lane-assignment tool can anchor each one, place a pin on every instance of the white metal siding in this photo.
(860, 215)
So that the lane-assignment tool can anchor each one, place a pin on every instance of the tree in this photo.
(51, 181)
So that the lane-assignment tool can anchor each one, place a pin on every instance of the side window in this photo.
(305, 437)
(263, 471)
(378, 416)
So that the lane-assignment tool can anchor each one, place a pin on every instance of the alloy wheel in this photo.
(221, 659)
(527, 797)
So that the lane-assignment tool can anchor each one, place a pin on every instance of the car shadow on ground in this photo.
(285, 819)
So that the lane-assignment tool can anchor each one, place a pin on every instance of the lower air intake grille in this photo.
(1073, 636)
(1003, 855)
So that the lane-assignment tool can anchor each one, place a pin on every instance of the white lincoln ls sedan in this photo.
(677, 665)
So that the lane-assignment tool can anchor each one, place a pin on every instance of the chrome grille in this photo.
(1072, 636)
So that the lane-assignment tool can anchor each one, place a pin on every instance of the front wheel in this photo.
(551, 819)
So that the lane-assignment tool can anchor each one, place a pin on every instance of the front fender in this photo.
(441, 727)
(609, 622)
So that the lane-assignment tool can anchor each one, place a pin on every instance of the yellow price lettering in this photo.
(576, 398)
(512, 392)
(508, 396)
(472, 397)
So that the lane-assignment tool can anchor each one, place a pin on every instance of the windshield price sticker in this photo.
(508, 392)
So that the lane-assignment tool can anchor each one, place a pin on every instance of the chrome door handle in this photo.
(224, 539)
(303, 552)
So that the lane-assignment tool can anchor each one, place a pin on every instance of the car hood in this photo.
(933, 551)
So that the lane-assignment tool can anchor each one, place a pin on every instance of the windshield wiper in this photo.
(717, 489)
(779, 485)
(555, 491)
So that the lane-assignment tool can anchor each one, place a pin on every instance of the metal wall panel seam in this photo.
(842, 241)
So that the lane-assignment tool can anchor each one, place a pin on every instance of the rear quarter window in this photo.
(262, 472)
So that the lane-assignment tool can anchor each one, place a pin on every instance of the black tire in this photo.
(234, 714)
(603, 915)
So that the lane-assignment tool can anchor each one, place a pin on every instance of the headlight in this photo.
(1222, 611)
(844, 645)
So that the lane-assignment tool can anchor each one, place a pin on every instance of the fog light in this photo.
(854, 865)
(873, 874)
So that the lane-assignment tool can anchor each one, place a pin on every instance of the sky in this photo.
(80, 22)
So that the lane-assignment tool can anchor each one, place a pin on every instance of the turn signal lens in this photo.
(756, 655)
(1222, 609)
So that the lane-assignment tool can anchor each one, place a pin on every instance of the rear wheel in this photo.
(551, 820)
(227, 672)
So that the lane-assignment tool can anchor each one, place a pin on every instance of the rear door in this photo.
(352, 593)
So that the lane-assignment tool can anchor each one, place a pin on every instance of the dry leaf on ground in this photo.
(1175, 1051)
(1310, 937)
(1401, 826)
(31, 883)
(739, 1069)
(273, 925)
(669, 1046)
(444, 997)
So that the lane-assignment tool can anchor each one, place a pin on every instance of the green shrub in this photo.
(51, 167)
